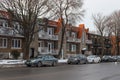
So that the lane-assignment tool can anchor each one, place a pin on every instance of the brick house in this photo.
(96, 46)
(75, 39)
(9, 40)
(46, 41)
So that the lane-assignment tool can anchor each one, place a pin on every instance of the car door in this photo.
(45, 60)
(48, 60)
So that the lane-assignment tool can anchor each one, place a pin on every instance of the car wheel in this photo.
(39, 64)
(54, 63)
(78, 62)
(69, 62)
(28, 65)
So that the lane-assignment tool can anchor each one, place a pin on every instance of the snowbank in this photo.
(12, 61)
(62, 60)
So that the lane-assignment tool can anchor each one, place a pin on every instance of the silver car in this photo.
(42, 60)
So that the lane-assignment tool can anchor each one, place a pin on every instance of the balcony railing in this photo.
(6, 31)
(44, 50)
(71, 39)
(44, 35)
(88, 41)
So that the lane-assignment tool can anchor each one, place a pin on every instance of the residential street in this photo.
(102, 71)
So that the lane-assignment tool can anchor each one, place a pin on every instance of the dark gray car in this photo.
(78, 59)
(42, 60)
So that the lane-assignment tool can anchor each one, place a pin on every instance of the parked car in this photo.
(118, 58)
(93, 59)
(114, 58)
(108, 58)
(78, 59)
(42, 60)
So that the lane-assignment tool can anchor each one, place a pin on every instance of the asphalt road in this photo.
(102, 71)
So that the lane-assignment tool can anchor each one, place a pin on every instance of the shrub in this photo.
(15, 54)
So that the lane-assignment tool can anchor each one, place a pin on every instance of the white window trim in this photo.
(73, 49)
(3, 43)
(73, 34)
(51, 30)
(13, 47)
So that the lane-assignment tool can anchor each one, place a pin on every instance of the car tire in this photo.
(78, 62)
(39, 64)
(69, 62)
(53, 63)
(28, 65)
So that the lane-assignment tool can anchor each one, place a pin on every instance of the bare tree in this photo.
(69, 11)
(100, 22)
(26, 13)
(115, 24)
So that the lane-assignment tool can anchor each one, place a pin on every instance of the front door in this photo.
(49, 47)
(32, 53)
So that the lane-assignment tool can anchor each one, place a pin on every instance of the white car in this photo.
(93, 59)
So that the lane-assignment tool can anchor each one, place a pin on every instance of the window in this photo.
(1, 24)
(16, 43)
(68, 47)
(73, 34)
(5, 24)
(16, 26)
(50, 31)
(3, 43)
(74, 47)
(68, 33)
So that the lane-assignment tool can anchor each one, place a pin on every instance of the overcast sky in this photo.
(105, 7)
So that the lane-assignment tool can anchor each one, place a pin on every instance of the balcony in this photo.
(6, 31)
(44, 50)
(44, 35)
(88, 41)
(71, 39)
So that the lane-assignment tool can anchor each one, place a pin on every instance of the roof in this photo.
(4, 14)
(52, 23)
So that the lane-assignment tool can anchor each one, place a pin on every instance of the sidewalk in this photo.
(11, 65)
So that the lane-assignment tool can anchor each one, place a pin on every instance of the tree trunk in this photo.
(61, 41)
(102, 47)
(26, 53)
(117, 41)
(26, 48)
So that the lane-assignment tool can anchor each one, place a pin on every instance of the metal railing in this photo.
(44, 35)
(44, 50)
(71, 39)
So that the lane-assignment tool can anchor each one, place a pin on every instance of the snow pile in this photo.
(62, 60)
(12, 61)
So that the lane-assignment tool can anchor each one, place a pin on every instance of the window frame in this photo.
(16, 44)
(2, 43)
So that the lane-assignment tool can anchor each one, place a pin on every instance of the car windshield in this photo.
(39, 57)
(73, 56)
(92, 56)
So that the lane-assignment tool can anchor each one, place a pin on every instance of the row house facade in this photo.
(75, 39)
(46, 41)
(96, 46)
(9, 41)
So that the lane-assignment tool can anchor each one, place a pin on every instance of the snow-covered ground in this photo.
(62, 60)
(23, 61)
(12, 62)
